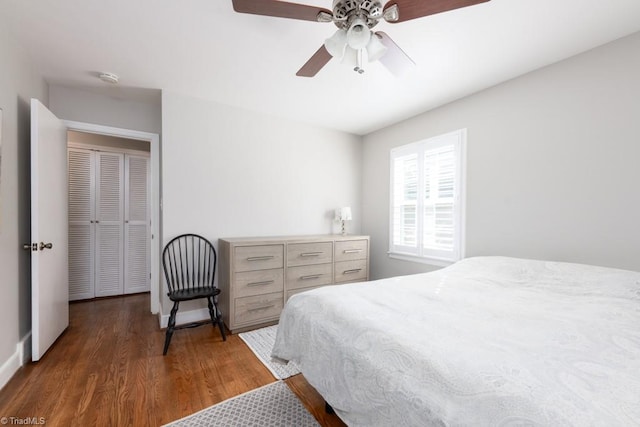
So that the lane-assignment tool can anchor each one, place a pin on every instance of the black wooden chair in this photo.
(189, 263)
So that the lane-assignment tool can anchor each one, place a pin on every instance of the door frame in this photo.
(156, 203)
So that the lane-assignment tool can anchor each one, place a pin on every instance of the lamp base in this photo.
(344, 231)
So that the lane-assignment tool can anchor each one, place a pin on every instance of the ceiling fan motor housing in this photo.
(345, 11)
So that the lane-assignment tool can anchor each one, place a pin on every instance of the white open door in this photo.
(49, 229)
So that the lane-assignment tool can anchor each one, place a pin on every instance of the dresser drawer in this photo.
(306, 276)
(309, 253)
(264, 257)
(350, 271)
(258, 308)
(348, 250)
(258, 282)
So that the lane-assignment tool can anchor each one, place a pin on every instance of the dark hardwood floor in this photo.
(107, 369)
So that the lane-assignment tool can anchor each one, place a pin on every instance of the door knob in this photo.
(46, 245)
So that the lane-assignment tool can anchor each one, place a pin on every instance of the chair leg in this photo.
(216, 317)
(170, 327)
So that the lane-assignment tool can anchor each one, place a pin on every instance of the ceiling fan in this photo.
(354, 19)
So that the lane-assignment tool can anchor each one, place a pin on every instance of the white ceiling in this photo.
(202, 48)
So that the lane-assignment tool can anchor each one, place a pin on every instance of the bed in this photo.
(488, 341)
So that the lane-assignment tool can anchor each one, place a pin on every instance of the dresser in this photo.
(258, 274)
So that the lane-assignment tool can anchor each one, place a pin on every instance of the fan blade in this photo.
(412, 9)
(394, 59)
(280, 9)
(315, 63)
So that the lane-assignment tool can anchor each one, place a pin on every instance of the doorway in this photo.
(132, 143)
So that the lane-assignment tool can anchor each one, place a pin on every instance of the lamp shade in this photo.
(350, 57)
(359, 34)
(375, 48)
(343, 214)
(337, 43)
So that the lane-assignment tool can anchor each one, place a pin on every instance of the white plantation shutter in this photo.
(426, 198)
(405, 202)
(136, 257)
(109, 224)
(81, 230)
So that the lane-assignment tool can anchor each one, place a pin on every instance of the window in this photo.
(427, 180)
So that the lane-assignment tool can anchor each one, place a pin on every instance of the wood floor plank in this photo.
(107, 369)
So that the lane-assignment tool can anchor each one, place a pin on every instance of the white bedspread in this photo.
(488, 341)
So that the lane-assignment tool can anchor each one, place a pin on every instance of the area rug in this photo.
(272, 405)
(261, 341)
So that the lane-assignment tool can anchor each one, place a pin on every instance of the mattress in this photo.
(488, 341)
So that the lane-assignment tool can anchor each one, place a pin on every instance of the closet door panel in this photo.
(81, 228)
(137, 250)
(109, 265)
(137, 259)
(109, 224)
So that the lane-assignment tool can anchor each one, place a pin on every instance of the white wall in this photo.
(552, 168)
(18, 83)
(230, 172)
(103, 108)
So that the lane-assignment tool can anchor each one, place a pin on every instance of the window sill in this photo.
(422, 260)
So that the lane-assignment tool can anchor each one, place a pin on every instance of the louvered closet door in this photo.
(109, 224)
(136, 227)
(81, 228)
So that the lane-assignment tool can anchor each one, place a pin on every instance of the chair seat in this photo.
(189, 294)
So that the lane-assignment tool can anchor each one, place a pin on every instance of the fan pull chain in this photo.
(358, 68)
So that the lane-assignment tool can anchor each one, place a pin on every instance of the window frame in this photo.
(419, 254)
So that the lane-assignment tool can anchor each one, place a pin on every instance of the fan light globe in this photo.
(358, 35)
(375, 49)
(336, 44)
(350, 57)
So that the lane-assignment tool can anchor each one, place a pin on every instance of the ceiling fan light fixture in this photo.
(391, 14)
(359, 34)
(350, 57)
(337, 43)
(375, 48)
(324, 17)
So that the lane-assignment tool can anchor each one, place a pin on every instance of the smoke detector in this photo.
(109, 78)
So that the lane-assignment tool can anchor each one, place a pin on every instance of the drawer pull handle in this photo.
(352, 251)
(311, 276)
(307, 254)
(260, 258)
(355, 270)
(266, 282)
(264, 307)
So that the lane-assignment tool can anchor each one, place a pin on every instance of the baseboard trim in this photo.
(184, 317)
(21, 356)
(24, 347)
